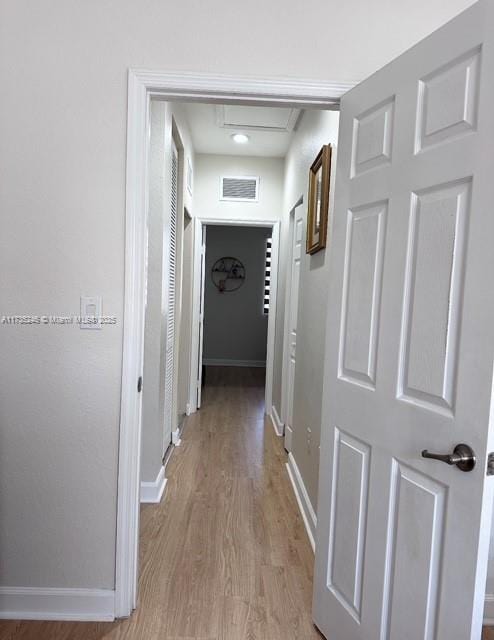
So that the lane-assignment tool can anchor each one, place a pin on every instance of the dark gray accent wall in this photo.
(235, 327)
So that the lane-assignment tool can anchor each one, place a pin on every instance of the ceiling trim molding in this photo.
(250, 89)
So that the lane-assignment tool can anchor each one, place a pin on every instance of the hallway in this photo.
(225, 555)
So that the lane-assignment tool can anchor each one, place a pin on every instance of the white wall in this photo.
(210, 168)
(63, 73)
(235, 327)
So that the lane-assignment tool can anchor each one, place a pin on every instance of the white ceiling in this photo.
(270, 129)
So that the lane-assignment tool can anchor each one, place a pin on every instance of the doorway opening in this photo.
(144, 90)
(238, 295)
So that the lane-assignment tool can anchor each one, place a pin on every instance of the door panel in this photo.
(372, 137)
(349, 517)
(414, 552)
(448, 98)
(433, 285)
(296, 256)
(402, 541)
(362, 293)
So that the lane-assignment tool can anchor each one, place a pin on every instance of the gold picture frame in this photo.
(318, 208)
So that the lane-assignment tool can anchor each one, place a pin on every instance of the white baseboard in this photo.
(278, 426)
(176, 439)
(151, 492)
(32, 603)
(304, 504)
(288, 438)
(489, 609)
(220, 362)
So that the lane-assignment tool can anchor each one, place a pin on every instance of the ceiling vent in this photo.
(239, 188)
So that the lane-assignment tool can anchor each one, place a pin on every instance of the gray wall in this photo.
(315, 129)
(235, 327)
(63, 118)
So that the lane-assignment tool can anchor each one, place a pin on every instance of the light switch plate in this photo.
(91, 312)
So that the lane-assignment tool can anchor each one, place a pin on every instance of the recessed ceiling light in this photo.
(240, 138)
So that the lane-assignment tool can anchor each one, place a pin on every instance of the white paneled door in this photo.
(402, 540)
(171, 288)
(295, 257)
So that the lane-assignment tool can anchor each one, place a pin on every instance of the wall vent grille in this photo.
(239, 188)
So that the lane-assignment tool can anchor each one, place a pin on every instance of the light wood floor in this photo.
(225, 555)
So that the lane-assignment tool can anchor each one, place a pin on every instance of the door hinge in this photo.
(490, 464)
(139, 384)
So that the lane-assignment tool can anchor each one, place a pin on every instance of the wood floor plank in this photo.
(225, 556)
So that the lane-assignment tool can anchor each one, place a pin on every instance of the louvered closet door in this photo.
(170, 321)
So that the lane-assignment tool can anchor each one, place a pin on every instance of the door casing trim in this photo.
(168, 85)
(196, 292)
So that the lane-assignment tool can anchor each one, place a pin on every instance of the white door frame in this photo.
(286, 341)
(198, 277)
(196, 292)
(142, 84)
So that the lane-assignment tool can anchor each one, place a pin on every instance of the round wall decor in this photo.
(228, 274)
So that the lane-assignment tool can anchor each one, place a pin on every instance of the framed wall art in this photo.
(318, 204)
